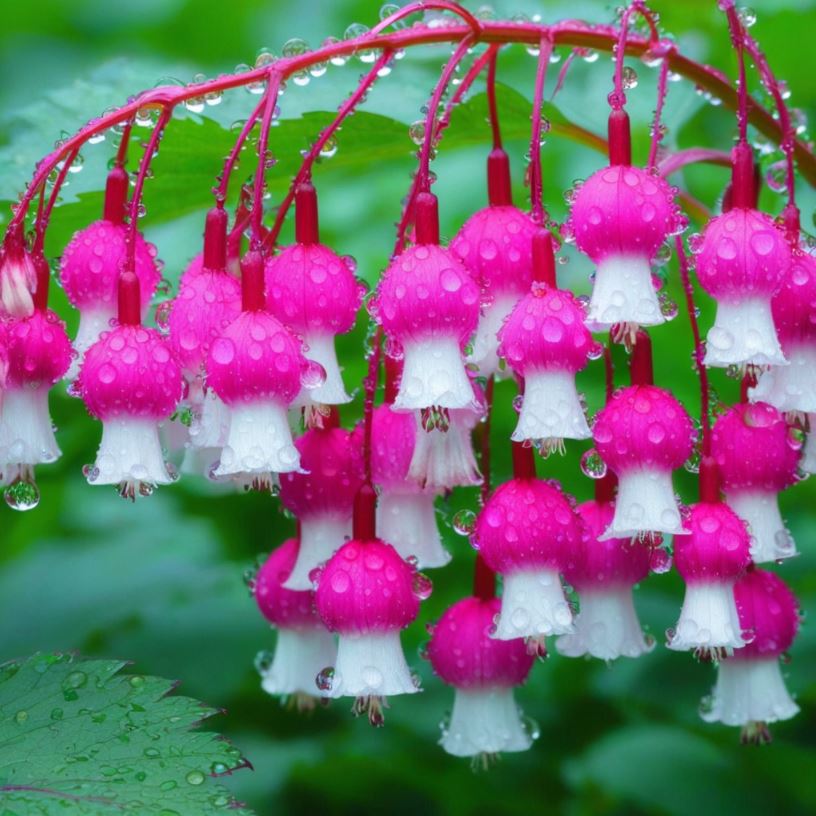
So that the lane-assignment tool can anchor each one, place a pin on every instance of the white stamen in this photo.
(760, 510)
(606, 626)
(300, 655)
(407, 520)
(484, 721)
(533, 604)
(708, 619)
(26, 432)
(130, 452)
(550, 408)
(791, 387)
(321, 534)
(332, 392)
(485, 342)
(749, 690)
(645, 503)
(623, 292)
(259, 442)
(92, 322)
(743, 333)
(444, 459)
(371, 664)
(433, 373)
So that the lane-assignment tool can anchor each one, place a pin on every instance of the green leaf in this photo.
(78, 734)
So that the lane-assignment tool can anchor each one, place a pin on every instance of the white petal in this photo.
(623, 292)
(550, 408)
(433, 373)
(371, 664)
(484, 721)
(259, 441)
(130, 450)
(791, 387)
(645, 503)
(771, 539)
(300, 655)
(708, 619)
(444, 459)
(321, 534)
(750, 690)
(407, 521)
(606, 626)
(743, 333)
(485, 343)
(92, 322)
(26, 432)
(533, 604)
(332, 392)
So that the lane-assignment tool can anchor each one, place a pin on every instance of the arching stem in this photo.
(270, 102)
(536, 178)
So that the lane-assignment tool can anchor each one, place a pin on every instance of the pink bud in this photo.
(89, 273)
(283, 607)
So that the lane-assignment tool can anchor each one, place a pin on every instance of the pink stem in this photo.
(426, 5)
(433, 106)
(44, 215)
(444, 121)
(136, 198)
(536, 179)
(271, 100)
(662, 91)
(232, 158)
(568, 33)
(699, 349)
(738, 40)
(618, 98)
(562, 74)
(305, 171)
(694, 155)
(491, 101)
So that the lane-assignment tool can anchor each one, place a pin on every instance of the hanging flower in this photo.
(304, 646)
(750, 691)
(322, 497)
(604, 572)
(757, 455)
(483, 672)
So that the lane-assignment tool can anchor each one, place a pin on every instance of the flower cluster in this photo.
(244, 374)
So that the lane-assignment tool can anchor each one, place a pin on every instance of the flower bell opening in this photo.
(300, 655)
(743, 334)
(708, 623)
(443, 455)
(771, 540)
(485, 721)
(533, 606)
(791, 387)
(551, 409)
(749, 694)
(645, 504)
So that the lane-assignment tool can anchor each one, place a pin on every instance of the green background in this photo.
(160, 582)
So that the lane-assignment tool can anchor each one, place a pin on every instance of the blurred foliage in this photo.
(160, 582)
